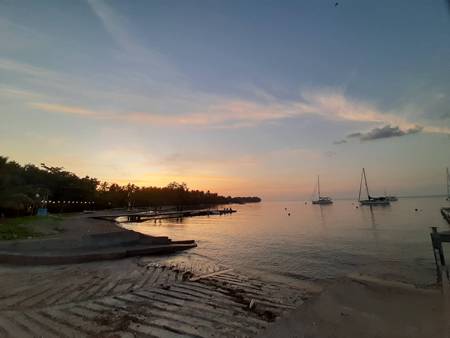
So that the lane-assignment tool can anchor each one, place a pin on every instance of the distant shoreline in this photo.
(356, 199)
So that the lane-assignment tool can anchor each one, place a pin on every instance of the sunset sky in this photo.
(238, 97)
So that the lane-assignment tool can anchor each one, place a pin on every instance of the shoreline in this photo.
(84, 239)
(187, 293)
(368, 307)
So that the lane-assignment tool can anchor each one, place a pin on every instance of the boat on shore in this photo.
(375, 201)
(322, 200)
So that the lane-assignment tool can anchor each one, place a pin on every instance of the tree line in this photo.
(23, 189)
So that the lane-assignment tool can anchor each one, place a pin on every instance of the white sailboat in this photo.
(370, 200)
(321, 199)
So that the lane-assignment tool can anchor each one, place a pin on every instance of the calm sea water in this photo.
(317, 242)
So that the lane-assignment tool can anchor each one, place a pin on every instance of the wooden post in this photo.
(438, 251)
(436, 244)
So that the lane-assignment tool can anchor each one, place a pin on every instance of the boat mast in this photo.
(448, 185)
(360, 185)
(318, 186)
(365, 181)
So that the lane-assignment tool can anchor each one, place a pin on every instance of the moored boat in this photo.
(323, 200)
(375, 201)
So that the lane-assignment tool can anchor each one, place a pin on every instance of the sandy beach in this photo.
(366, 307)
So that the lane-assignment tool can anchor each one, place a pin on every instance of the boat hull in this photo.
(392, 198)
(374, 202)
(322, 202)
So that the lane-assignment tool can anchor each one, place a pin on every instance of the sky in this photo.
(237, 97)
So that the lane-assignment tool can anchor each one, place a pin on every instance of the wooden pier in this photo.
(145, 216)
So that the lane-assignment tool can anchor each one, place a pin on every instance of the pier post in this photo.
(438, 252)
(435, 242)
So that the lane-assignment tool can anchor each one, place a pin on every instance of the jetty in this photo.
(437, 238)
(142, 216)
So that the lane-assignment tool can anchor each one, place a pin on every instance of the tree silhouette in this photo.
(20, 186)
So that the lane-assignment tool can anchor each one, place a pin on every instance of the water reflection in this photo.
(314, 241)
(374, 225)
(323, 220)
(175, 220)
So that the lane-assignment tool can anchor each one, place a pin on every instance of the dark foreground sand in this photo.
(365, 307)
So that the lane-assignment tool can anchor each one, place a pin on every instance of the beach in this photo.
(360, 306)
(192, 295)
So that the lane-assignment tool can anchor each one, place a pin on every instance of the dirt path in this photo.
(77, 225)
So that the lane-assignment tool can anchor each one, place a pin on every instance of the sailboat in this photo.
(370, 200)
(321, 199)
(448, 186)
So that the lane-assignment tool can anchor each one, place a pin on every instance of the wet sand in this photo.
(173, 296)
(370, 308)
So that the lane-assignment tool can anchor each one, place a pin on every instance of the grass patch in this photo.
(28, 226)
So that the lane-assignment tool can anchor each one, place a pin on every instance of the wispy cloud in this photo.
(226, 112)
(12, 92)
(155, 93)
(15, 67)
(132, 51)
(70, 110)
(385, 132)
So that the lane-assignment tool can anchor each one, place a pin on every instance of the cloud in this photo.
(210, 111)
(357, 134)
(9, 65)
(151, 91)
(387, 131)
(132, 50)
(146, 89)
(340, 141)
(11, 92)
(59, 108)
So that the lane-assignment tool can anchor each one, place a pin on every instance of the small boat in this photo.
(382, 201)
(322, 200)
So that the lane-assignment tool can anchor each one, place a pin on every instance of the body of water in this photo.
(317, 242)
